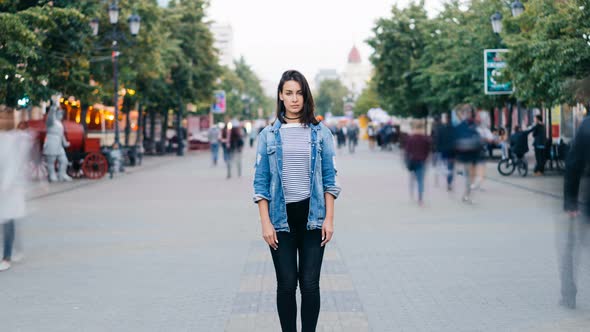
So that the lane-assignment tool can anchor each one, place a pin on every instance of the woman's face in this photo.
(292, 97)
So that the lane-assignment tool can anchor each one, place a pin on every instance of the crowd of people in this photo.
(465, 145)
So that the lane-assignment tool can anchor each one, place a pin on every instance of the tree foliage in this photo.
(47, 47)
(428, 65)
(330, 97)
(368, 99)
(550, 51)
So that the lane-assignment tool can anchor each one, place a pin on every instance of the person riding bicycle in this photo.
(519, 143)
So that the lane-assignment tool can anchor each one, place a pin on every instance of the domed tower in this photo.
(354, 56)
(356, 74)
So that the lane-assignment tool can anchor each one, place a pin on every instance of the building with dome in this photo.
(356, 74)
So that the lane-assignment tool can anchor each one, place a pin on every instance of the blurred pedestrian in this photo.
(116, 156)
(236, 146)
(577, 163)
(386, 136)
(214, 135)
(503, 142)
(341, 136)
(14, 152)
(468, 146)
(296, 199)
(353, 136)
(372, 133)
(539, 132)
(487, 141)
(225, 140)
(445, 146)
(232, 143)
(417, 149)
(252, 135)
(436, 154)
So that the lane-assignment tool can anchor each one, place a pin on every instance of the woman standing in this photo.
(295, 188)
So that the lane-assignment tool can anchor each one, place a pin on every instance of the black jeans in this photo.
(540, 159)
(308, 244)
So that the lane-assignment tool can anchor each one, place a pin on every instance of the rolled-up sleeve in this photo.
(262, 171)
(329, 165)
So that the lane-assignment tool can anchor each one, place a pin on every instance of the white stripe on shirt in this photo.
(296, 139)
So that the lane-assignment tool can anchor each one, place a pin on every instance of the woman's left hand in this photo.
(327, 231)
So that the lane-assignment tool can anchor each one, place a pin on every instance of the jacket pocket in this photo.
(271, 149)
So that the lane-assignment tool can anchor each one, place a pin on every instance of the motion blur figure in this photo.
(468, 145)
(575, 231)
(417, 150)
(15, 147)
(353, 136)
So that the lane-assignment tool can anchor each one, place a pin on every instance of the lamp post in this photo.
(496, 19)
(134, 24)
(517, 8)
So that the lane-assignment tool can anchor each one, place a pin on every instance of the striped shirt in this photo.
(296, 140)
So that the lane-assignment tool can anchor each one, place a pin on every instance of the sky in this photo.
(307, 35)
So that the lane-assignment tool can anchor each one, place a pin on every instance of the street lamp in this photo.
(94, 26)
(134, 24)
(517, 8)
(497, 22)
(113, 13)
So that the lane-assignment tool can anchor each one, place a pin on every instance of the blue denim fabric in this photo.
(268, 183)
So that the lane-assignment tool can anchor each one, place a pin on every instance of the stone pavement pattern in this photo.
(177, 247)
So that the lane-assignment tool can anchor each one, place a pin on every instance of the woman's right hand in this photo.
(269, 234)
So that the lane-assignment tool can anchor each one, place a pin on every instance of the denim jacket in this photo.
(268, 176)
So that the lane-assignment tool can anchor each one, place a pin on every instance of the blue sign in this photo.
(496, 82)
(219, 104)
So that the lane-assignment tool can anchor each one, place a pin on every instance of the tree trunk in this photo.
(509, 122)
(152, 131)
(139, 132)
(163, 139)
(83, 114)
(127, 126)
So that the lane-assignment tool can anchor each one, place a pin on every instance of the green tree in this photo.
(330, 97)
(193, 63)
(56, 52)
(252, 94)
(549, 57)
(398, 44)
(17, 48)
(368, 99)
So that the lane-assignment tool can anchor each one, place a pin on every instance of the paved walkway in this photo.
(177, 247)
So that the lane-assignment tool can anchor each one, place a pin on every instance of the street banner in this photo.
(496, 82)
(555, 122)
(219, 105)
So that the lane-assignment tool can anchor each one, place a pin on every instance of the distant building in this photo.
(223, 35)
(325, 74)
(356, 74)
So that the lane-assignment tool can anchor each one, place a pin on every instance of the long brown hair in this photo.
(308, 116)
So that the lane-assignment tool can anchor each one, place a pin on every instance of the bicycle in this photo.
(507, 166)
